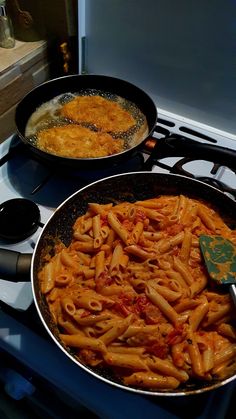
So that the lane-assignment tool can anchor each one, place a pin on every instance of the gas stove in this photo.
(21, 333)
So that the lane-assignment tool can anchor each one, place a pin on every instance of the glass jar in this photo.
(7, 39)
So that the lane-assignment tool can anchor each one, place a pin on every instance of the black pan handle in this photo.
(177, 146)
(15, 266)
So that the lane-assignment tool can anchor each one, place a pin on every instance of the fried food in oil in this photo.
(106, 115)
(78, 142)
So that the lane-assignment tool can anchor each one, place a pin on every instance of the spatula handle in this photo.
(232, 289)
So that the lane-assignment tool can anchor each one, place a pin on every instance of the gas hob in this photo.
(24, 177)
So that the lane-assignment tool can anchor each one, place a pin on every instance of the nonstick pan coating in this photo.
(126, 187)
(76, 83)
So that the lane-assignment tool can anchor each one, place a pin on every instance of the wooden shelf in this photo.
(10, 57)
(21, 69)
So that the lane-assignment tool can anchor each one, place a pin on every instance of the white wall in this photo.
(181, 52)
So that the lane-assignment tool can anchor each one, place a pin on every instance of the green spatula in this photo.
(220, 259)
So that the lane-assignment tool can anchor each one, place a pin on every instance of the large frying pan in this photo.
(125, 187)
(77, 83)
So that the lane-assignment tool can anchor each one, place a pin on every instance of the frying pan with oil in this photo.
(76, 84)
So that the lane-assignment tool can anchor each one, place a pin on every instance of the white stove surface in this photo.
(18, 295)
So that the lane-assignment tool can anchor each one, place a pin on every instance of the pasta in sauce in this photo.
(131, 293)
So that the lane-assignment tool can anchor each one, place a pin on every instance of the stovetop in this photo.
(24, 177)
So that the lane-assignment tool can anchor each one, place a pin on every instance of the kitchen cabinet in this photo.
(21, 69)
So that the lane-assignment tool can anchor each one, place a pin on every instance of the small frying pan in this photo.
(74, 84)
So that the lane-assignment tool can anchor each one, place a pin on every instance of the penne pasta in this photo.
(151, 380)
(125, 360)
(217, 314)
(115, 331)
(47, 278)
(186, 246)
(116, 258)
(227, 330)
(198, 314)
(130, 293)
(183, 269)
(139, 252)
(165, 245)
(166, 292)
(117, 227)
(206, 218)
(208, 360)
(98, 208)
(68, 306)
(195, 355)
(181, 207)
(162, 304)
(78, 341)
(167, 368)
(82, 237)
(68, 326)
(85, 225)
(124, 350)
(137, 231)
(100, 264)
(225, 355)
(91, 320)
(96, 227)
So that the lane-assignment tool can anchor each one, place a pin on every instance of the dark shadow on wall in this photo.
(54, 21)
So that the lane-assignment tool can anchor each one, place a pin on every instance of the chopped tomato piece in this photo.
(125, 304)
(174, 229)
(103, 220)
(152, 314)
(122, 309)
(141, 303)
(127, 299)
(128, 225)
(103, 280)
(140, 216)
(159, 349)
(175, 336)
(85, 313)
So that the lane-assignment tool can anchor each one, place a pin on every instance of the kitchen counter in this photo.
(13, 56)
(21, 69)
